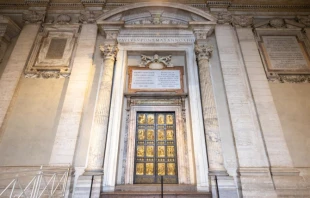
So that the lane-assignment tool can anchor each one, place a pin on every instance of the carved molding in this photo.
(93, 2)
(242, 21)
(224, 18)
(153, 16)
(63, 19)
(32, 16)
(203, 51)
(292, 78)
(196, 5)
(87, 17)
(154, 102)
(155, 62)
(180, 8)
(47, 74)
(288, 33)
(155, 40)
(109, 51)
(110, 30)
(304, 20)
(51, 56)
(277, 23)
(280, 23)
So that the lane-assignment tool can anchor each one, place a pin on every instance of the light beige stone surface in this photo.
(15, 65)
(69, 123)
(267, 115)
(293, 107)
(29, 130)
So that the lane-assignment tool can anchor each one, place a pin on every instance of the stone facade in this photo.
(240, 99)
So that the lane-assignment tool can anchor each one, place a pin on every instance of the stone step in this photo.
(152, 194)
(156, 187)
(154, 191)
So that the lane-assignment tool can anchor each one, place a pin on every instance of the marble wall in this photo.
(28, 132)
(293, 107)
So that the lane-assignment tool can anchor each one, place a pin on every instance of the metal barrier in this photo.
(47, 181)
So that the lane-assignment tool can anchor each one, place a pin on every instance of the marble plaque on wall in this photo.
(52, 52)
(149, 80)
(285, 53)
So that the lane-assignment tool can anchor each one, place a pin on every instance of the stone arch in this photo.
(196, 11)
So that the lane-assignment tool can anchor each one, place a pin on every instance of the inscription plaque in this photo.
(156, 79)
(284, 53)
(169, 79)
(56, 48)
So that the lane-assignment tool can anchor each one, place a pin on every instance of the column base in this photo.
(88, 186)
(289, 183)
(257, 182)
(223, 185)
(89, 171)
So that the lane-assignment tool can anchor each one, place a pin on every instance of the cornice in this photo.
(108, 5)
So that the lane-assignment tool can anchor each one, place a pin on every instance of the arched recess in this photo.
(196, 11)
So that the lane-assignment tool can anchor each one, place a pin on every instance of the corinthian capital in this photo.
(203, 51)
(109, 51)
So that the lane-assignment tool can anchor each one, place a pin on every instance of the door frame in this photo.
(182, 162)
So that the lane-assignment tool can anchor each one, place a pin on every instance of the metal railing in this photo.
(34, 182)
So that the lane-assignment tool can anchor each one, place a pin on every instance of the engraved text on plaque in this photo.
(284, 53)
(155, 80)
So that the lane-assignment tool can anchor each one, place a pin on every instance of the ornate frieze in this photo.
(52, 52)
(154, 102)
(156, 40)
(291, 78)
(164, 36)
(224, 18)
(63, 19)
(279, 23)
(304, 20)
(109, 51)
(47, 74)
(32, 16)
(242, 21)
(87, 17)
(155, 62)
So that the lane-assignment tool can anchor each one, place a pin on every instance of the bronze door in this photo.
(155, 151)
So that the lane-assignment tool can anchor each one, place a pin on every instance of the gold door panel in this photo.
(155, 148)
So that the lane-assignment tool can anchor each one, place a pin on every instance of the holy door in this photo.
(155, 152)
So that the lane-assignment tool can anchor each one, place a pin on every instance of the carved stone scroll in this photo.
(155, 62)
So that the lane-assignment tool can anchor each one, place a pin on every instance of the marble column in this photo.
(211, 124)
(101, 117)
(72, 110)
(15, 65)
